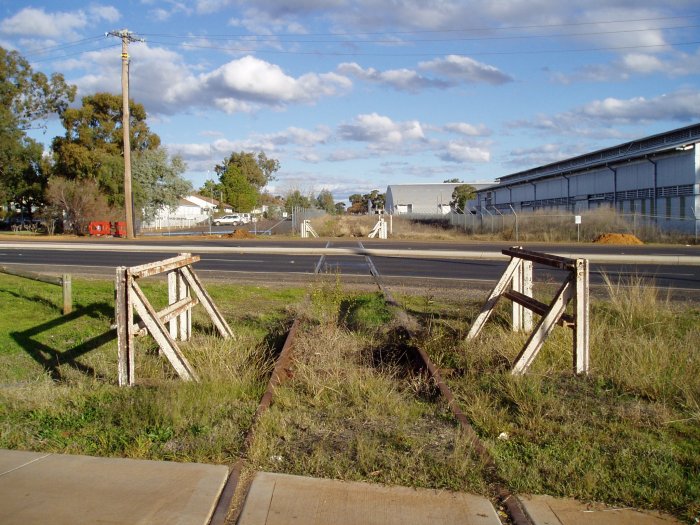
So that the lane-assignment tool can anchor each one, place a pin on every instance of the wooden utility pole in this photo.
(126, 37)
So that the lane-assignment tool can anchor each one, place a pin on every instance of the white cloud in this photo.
(164, 83)
(460, 152)
(300, 137)
(381, 131)
(602, 118)
(253, 80)
(465, 69)
(682, 105)
(673, 64)
(470, 130)
(541, 155)
(36, 22)
(399, 79)
(107, 13)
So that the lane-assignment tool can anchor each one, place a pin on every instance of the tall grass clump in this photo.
(647, 344)
(353, 409)
(626, 434)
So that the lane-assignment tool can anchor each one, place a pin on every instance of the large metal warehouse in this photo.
(423, 199)
(657, 178)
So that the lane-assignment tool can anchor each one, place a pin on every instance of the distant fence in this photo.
(561, 225)
(65, 282)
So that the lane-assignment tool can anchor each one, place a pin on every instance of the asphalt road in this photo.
(449, 272)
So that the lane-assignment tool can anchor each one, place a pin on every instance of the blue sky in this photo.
(355, 95)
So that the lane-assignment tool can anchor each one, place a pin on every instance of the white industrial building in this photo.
(657, 178)
(423, 199)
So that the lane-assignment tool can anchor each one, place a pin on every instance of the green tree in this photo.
(460, 196)
(339, 208)
(258, 170)
(212, 190)
(452, 181)
(92, 147)
(325, 201)
(357, 204)
(158, 181)
(295, 199)
(377, 199)
(27, 99)
(238, 191)
(360, 203)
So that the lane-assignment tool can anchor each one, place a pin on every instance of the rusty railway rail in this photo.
(225, 513)
(501, 490)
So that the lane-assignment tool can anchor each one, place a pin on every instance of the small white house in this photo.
(190, 211)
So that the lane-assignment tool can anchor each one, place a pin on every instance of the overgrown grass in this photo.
(58, 388)
(357, 407)
(629, 434)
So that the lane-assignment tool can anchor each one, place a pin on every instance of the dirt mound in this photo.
(240, 234)
(617, 238)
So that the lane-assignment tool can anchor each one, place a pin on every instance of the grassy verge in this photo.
(357, 408)
(58, 388)
(629, 434)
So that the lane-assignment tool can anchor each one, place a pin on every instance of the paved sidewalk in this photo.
(280, 499)
(39, 488)
(546, 510)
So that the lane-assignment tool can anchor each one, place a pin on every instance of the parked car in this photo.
(234, 219)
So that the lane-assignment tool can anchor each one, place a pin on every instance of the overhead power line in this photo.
(253, 39)
(424, 54)
(455, 30)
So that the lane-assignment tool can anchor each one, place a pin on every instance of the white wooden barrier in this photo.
(307, 230)
(129, 297)
(518, 275)
(379, 229)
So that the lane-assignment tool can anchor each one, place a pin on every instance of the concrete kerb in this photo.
(689, 260)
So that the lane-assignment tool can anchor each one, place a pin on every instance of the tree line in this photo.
(81, 177)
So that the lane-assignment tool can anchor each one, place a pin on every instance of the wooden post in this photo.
(582, 330)
(128, 295)
(206, 301)
(518, 309)
(185, 318)
(172, 298)
(161, 335)
(494, 296)
(124, 314)
(527, 290)
(67, 293)
(537, 337)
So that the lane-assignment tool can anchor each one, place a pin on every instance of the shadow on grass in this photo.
(51, 358)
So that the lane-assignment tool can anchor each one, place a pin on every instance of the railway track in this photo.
(227, 511)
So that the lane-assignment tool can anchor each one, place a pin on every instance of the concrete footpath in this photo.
(39, 488)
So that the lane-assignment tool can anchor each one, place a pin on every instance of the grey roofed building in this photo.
(656, 179)
(426, 199)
